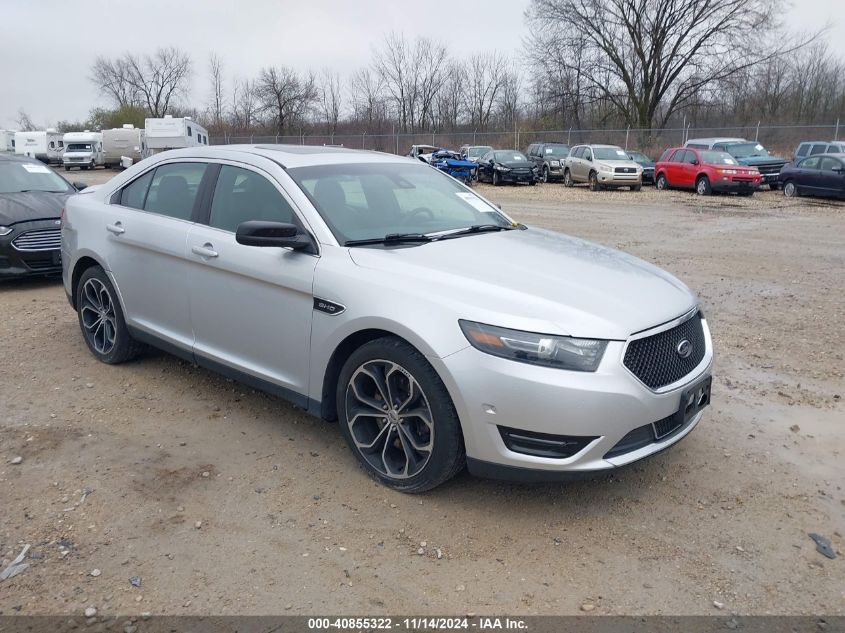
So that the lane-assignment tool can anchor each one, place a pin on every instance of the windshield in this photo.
(478, 151)
(639, 157)
(747, 150)
(369, 201)
(717, 158)
(609, 153)
(556, 150)
(78, 147)
(16, 177)
(510, 157)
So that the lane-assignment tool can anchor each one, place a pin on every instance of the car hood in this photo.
(537, 280)
(516, 164)
(618, 163)
(26, 207)
(753, 161)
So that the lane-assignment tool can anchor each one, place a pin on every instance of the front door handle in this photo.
(206, 250)
(116, 228)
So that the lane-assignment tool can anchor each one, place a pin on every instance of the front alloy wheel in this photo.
(661, 183)
(97, 316)
(545, 174)
(397, 416)
(790, 190)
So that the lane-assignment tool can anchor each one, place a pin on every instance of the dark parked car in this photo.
(32, 197)
(502, 166)
(549, 159)
(809, 148)
(646, 163)
(817, 175)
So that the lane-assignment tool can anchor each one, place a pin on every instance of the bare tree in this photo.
(509, 98)
(285, 95)
(368, 100)
(650, 58)
(113, 79)
(24, 121)
(331, 99)
(451, 97)
(484, 79)
(412, 75)
(216, 105)
(159, 79)
(244, 108)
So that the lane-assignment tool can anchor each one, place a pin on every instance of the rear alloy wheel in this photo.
(594, 181)
(101, 319)
(789, 189)
(567, 179)
(702, 186)
(661, 183)
(398, 418)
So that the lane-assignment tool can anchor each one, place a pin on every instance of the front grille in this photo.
(646, 435)
(770, 169)
(42, 240)
(543, 444)
(42, 264)
(655, 359)
(625, 170)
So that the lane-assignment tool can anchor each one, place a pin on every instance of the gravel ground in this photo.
(223, 500)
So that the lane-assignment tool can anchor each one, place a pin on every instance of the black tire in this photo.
(123, 347)
(67, 168)
(790, 189)
(496, 180)
(567, 179)
(636, 188)
(702, 186)
(661, 183)
(446, 456)
(774, 186)
(594, 181)
(545, 173)
(746, 194)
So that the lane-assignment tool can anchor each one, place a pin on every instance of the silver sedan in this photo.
(378, 292)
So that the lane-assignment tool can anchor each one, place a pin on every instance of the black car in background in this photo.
(31, 200)
(816, 175)
(507, 165)
(646, 163)
(549, 159)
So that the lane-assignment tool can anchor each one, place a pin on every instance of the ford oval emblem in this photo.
(684, 349)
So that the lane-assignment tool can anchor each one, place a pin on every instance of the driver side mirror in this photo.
(79, 186)
(695, 161)
(588, 157)
(278, 234)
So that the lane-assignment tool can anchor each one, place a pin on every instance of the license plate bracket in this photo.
(693, 400)
(57, 258)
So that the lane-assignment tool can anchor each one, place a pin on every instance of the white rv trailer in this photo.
(127, 142)
(83, 150)
(173, 133)
(7, 141)
(45, 145)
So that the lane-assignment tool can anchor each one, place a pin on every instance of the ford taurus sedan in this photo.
(379, 292)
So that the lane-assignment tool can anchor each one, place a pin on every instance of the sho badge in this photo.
(329, 307)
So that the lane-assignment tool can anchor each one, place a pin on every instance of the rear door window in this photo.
(828, 164)
(174, 189)
(819, 148)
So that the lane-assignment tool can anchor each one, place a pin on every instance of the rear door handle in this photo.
(116, 228)
(206, 250)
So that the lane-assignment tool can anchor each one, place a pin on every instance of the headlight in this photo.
(5, 230)
(604, 167)
(502, 168)
(554, 163)
(560, 352)
(727, 171)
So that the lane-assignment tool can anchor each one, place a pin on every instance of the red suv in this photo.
(705, 171)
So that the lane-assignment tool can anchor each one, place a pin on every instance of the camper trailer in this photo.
(44, 145)
(124, 146)
(83, 150)
(7, 141)
(173, 132)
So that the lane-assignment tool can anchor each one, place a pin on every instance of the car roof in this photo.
(839, 155)
(21, 158)
(289, 155)
(822, 142)
(718, 139)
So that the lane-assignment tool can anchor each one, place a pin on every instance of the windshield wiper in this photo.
(393, 238)
(478, 228)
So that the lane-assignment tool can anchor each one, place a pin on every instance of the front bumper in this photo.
(490, 393)
(15, 262)
(730, 185)
(514, 177)
(555, 172)
(612, 179)
(648, 176)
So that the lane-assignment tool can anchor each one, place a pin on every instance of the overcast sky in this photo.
(48, 46)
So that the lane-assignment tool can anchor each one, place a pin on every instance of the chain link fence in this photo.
(780, 139)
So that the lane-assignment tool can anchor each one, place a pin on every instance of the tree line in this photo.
(585, 64)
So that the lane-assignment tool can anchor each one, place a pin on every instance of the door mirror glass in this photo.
(274, 234)
(79, 186)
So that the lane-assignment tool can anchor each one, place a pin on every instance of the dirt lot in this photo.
(223, 500)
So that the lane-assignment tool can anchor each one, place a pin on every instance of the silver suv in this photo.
(602, 166)
(379, 292)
